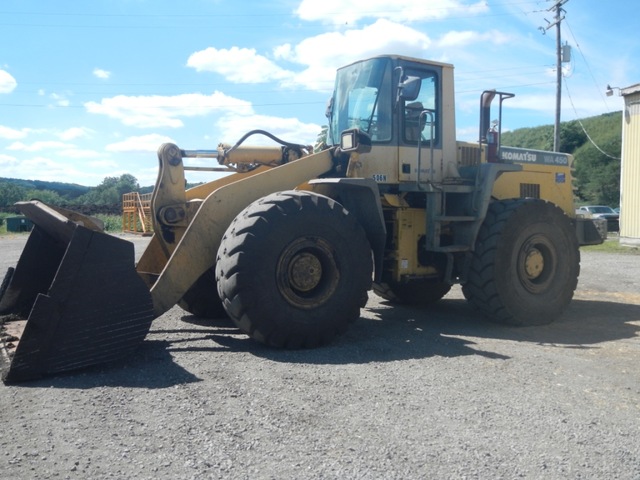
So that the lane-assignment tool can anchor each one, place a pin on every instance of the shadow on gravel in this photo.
(384, 333)
(584, 323)
(150, 367)
(388, 333)
(395, 333)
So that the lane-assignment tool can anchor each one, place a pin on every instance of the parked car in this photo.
(602, 211)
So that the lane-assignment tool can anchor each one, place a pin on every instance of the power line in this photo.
(222, 105)
(505, 87)
(232, 25)
(386, 12)
(566, 86)
(588, 66)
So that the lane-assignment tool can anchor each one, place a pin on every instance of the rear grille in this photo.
(529, 190)
(468, 154)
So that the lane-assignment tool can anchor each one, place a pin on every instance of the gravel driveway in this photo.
(405, 394)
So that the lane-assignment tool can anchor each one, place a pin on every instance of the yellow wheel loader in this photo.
(289, 243)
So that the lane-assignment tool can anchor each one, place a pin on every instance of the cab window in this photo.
(421, 119)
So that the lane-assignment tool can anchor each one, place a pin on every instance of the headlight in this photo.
(355, 140)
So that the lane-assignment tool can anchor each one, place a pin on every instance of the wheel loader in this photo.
(289, 244)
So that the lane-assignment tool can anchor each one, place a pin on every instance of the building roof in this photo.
(630, 90)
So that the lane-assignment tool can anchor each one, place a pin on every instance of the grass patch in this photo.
(3, 223)
(612, 245)
(112, 223)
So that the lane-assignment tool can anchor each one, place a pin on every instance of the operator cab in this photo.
(398, 102)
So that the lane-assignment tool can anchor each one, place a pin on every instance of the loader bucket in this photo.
(78, 289)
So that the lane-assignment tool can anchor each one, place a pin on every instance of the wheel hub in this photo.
(305, 272)
(537, 263)
(533, 264)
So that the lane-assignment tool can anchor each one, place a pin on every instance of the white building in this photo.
(630, 168)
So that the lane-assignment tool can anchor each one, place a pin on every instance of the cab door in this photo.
(420, 130)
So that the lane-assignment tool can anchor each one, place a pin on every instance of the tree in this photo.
(598, 173)
(538, 138)
(11, 193)
(572, 137)
(321, 140)
(110, 191)
(47, 196)
(597, 169)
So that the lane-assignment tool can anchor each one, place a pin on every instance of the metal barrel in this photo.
(78, 289)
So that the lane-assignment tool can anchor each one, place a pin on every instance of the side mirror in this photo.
(409, 88)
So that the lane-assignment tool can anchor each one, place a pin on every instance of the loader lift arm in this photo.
(92, 304)
(196, 247)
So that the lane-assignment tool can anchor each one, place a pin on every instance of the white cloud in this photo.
(143, 143)
(100, 73)
(283, 51)
(7, 161)
(161, 111)
(59, 100)
(241, 65)
(74, 133)
(324, 53)
(319, 56)
(468, 134)
(148, 176)
(11, 133)
(42, 167)
(463, 38)
(39, 146)
(103, 164)
(339, 12)
(232, 127)
(80, 153)
(7, 82)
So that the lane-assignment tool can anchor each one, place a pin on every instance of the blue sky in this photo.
(91, 89)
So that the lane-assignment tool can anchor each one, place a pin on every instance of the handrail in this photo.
(136, 206)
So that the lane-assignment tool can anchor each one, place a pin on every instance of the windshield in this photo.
(601, 209)
(362, 99)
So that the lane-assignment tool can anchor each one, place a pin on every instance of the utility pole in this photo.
(559, 16)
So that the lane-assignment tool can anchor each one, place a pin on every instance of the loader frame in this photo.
(293, 237)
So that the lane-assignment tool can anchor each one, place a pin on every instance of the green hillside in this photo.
(103, 198)
(107, 195)
(596, 153)
(67, 190)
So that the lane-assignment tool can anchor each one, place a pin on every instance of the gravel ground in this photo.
(405, 394)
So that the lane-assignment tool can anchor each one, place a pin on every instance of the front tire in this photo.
(293, 269)
(526, 263)
(202, 298)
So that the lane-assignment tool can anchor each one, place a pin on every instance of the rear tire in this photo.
(202, 299)
(293, 269)
(526, 263)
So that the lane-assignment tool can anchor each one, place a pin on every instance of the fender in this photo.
(361, 197)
